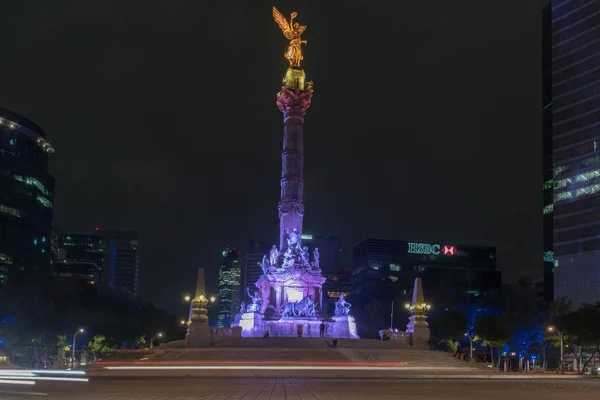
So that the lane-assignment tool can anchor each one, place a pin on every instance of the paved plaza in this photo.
(303, 389)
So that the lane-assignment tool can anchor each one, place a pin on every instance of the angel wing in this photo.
(283, 24)
(301, 29)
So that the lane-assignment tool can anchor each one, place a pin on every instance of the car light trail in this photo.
(268, 368)
(39, 371)
(268, 363)
(16, 382)
(44, 378)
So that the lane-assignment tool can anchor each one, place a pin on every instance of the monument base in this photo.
(419, 329)
(343, 327)
(253, 325)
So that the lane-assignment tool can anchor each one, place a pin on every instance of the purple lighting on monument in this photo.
(290, 291)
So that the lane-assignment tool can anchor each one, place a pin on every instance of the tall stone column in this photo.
(293, 101)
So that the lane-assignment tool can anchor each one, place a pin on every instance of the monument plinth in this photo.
(290, 291)
(418, 325)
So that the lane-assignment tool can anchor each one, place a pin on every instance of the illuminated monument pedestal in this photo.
(343, 327)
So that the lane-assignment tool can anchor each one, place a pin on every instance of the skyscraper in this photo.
(26, 195)
(576, 149)
(330, 250)
(228, 294)
(115, 252)
(251, 269)
(123, 264)
(548, 204)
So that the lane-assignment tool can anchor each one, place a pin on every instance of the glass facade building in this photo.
(386, 270)
(114, 252)
(547, 284)
(229, 287)
(576, 148)
(26, 196)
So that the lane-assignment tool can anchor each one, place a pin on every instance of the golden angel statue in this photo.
(291, 31)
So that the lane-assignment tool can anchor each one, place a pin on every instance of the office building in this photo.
(251, 269)
(115, 253)
(386, 269)
(78, 274)
(546, 286)
(576, 149)
(228, 294)
(26, 195)
(330, 252)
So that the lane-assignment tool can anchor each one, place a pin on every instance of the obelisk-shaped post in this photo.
(293, 101)
(198, 329)
(418, 326)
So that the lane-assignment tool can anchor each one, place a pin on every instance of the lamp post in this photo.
(159, 335)
(470, 346)
(562, 347)
(80, 330)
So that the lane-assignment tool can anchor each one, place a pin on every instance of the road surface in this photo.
(154, 388)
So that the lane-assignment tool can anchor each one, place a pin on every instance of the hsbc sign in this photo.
(433, 249)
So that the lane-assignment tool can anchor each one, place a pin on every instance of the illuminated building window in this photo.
(35, 242)
(375, 267)
(393, 278)
(395, 267)
(548, 209)
(5, 259)
(10, 210)
(547, 185)
(560, 169)
(549, 256)
(44, 201)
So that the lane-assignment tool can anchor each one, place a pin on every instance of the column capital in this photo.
(294, 103)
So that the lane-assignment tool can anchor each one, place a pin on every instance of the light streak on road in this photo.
(40, 371)
(16, 382)
(269, 368)
(45, 378)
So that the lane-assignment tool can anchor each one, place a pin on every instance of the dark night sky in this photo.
(425, 122)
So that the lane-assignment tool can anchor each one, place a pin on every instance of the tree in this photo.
(583, 329)
(449, 324)
(493, 330)
(99, 346)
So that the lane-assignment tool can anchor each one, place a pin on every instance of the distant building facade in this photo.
(385, 270)
(330, 251)
(78, 273)
(251, 269)
(26, 195)
(115, 253)
(576, 149)
(546, 286)
(229, 283)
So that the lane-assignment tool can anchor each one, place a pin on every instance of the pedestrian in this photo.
(458, 350)
(322, 329)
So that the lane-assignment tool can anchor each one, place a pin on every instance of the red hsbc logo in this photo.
(448, 250)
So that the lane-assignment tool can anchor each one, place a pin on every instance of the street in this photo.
(115, 388)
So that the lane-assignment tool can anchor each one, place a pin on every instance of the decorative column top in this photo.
(294, 103)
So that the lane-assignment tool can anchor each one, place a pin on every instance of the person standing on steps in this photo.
(322, 329)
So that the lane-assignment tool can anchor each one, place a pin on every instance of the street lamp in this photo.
(562, 347)
(470, 346)
(80, 330)
(158, 335)
(187, 298)
(182, 322)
